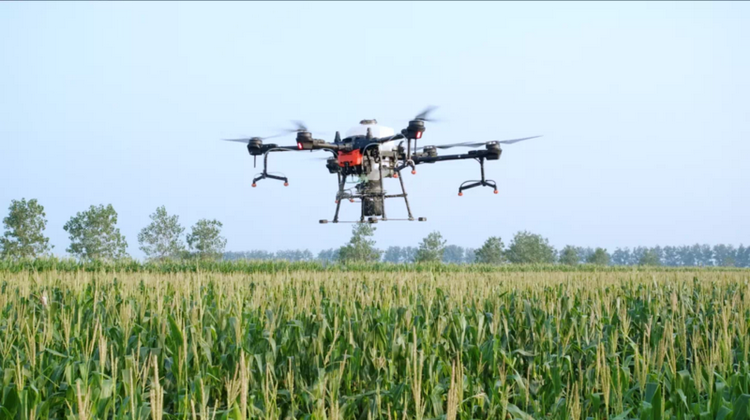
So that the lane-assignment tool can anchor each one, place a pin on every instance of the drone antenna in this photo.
(337, 139)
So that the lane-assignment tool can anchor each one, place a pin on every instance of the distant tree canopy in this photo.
(491, 252)
(569, 255)
(649, 257)
(454, 254)
(328, 255)
(205, 239)
(540, 250)
(293, 255)
(162, 238)
(360, 248)
(431, 249)
(400, 255)
(599, 257)
(24, 230)
(530, 248)
(94, 235)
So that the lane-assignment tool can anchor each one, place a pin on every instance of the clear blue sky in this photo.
(644, 108)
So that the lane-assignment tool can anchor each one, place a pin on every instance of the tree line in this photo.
(524, 248)
(94, 235)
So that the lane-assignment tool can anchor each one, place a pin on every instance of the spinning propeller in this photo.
(423, 116)
(483, 143)
(253, 139)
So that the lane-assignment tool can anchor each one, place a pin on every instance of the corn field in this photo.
(375, 345)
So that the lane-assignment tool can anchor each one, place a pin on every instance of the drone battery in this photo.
(353, 158)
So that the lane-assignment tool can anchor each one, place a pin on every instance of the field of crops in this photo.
(375, 345)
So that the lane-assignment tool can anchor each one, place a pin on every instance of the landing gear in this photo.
(372, 198)
(480, 183)
(265, 174)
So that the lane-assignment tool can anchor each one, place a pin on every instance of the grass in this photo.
(365, 344)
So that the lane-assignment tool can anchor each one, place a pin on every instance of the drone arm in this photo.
(478, 155)
(474, 154)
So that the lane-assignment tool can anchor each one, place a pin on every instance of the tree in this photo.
(706, 255)
(569, 255)
(725, 255)
(491, 252)
(621, 256)
(743, 256)
(584, 254)
(649, 257)
(161, 239)
(294, 255)
(392, 254)
(93, 234)
(360, 248)
(599, 257)
(328, 255)
(408, 254)
(205, 239)
(529, 248)
(24, 230)
(637, 255)
(671, 256)
(453, 254)
(431, 249)
(470, 256)
(687, 257)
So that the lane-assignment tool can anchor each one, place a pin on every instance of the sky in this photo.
(643, 107)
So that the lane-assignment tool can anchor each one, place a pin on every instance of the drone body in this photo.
(370, 153)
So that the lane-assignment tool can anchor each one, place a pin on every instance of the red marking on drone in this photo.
(353, 158)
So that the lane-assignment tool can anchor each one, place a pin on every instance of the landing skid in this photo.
(375, 220)
(342, 195)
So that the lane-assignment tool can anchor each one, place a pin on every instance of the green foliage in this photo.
(431, 249)
(569, 255)
(491, 252)
(304, 345)
(24, 230)
(94, 236)
(529, 248)
(454, 254)
(360, 248)
(162, 238)
(271, 266)
(599, 257)
(649, 258)
(205, 239)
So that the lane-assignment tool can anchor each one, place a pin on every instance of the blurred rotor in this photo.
(483, 143)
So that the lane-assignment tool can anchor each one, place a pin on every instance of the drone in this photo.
(370, 153)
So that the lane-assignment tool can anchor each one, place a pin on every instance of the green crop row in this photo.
(375, 345)
(280, 266)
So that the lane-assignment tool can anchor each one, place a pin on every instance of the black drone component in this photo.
(304, 140)
(430, 151)
(369, 160)
(414, 130)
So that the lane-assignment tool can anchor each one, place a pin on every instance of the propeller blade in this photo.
(517, 140)
(423, 116)
(299, 126)
(247, 139)
(478, 144)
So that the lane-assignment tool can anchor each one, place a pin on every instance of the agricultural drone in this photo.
(371, 153)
